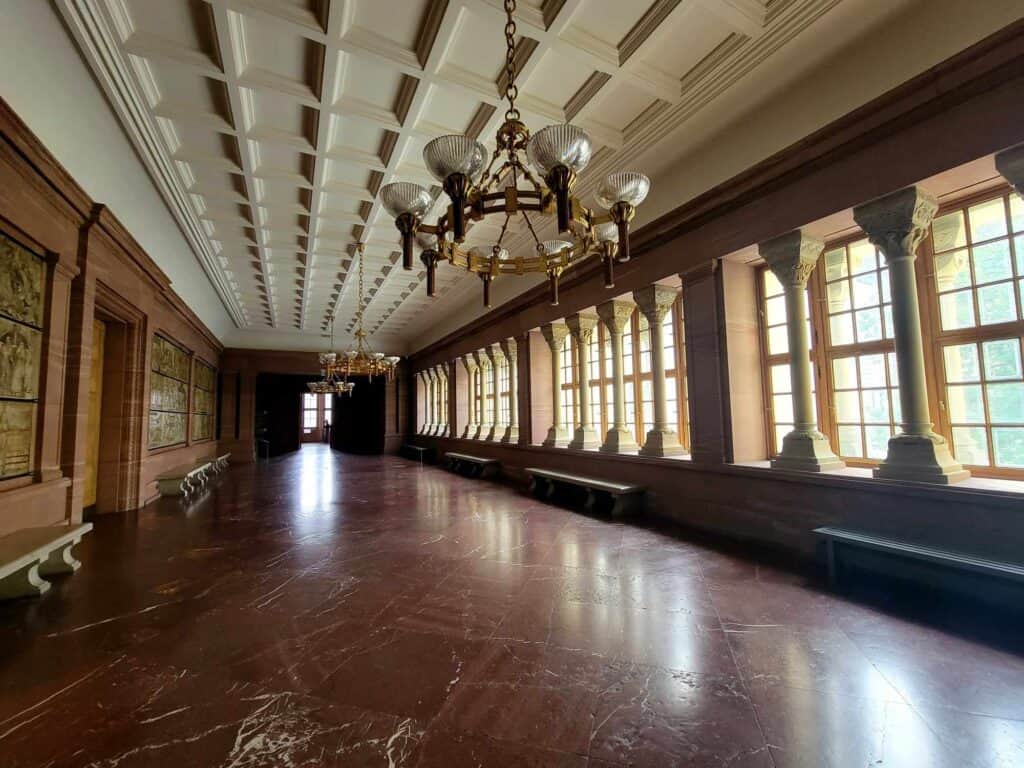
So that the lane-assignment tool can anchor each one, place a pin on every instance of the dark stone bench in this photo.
(420, 453)
(471, 466)
(601, 495)
(838, 540)
(26, 556)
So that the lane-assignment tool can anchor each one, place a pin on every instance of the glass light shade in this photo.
(556, 145)
(607, 232)
(623, 187)
(392, 359)
(405, 197)
(327, 358)
(554, 247)
(454, 153)
(352, 354)
(426, 241)
(377, 355)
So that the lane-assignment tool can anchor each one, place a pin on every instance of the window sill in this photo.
(986, 490)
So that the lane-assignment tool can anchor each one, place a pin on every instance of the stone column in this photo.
(442, 401)
(1010, 164)
(896, 224)
(615, 314)
(511, 349)
(791, 258)
(554, 335)
(431, 401)
(425, 416)
(496, 357)
(472, 418)
(655, 301)
(582, 329)
(485, 430)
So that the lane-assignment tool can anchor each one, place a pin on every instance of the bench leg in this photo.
(60, 561)
(549, 492)
(830, 555)
(23, 583)
(591, 502)
(624, 505)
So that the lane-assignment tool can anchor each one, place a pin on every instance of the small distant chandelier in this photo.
(360, 360)
(557, 153)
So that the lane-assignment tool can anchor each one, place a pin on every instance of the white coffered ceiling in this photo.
(269, 125)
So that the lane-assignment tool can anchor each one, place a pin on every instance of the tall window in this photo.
(478, 401)
(629, 374)
(676, 398)
(970, 276)
(568, 382)
(639, 377)
(503, 393)
(979, 295)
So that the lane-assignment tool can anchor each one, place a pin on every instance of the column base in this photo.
(662, 442)
(511, 435)
(585, 439)
(807, 452)
(557, 438)
(920, 459)
(469, 431)
(478, 433)
(490, 434)
(619, 441)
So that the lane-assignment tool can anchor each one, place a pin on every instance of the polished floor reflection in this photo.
(330, 610)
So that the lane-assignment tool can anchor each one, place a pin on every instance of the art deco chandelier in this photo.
(557, 153)
(360, 360)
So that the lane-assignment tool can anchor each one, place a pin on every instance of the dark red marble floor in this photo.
(329, 610)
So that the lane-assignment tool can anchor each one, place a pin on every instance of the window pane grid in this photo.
(867, 406)
(857, 300)
(568, 383)
(985, 402)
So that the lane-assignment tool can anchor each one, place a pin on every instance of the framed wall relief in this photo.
(22, 275)
(168, 394)
(203, 396)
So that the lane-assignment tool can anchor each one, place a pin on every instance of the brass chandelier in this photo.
(360, 360)
(557, 153)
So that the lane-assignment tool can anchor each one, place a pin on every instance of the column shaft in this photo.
(554, 334)
(792, 258)
(582, 329)
(615, 315)
(655, 302)
(896, 224)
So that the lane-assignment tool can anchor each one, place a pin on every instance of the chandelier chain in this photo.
(511, 90)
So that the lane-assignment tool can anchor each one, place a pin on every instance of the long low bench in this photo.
(186, 479)
(26, 556)
(420, 453)
(838, 539)
(601, 495)
(471, 466)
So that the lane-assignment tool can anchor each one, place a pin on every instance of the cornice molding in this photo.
(84, 19)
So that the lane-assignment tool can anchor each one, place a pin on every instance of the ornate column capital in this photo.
(581, 326)
(1010, 164)
(469, 361)
(655, 301)
(482, 359)
(495, 354)
(554, 334)
(897, 223)
(511, 349)
(792, 256)
(615, 314)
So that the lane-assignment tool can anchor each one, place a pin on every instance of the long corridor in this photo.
(332, 610)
